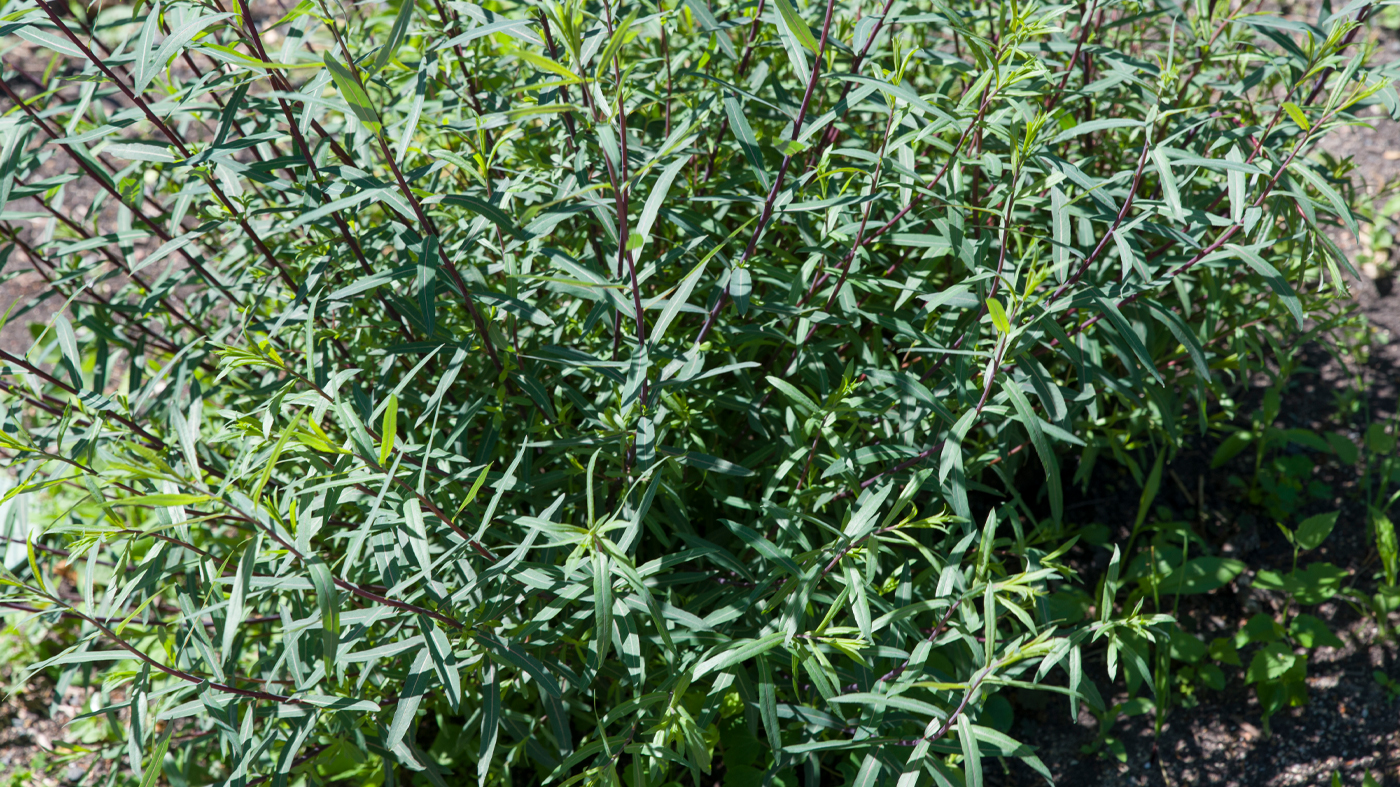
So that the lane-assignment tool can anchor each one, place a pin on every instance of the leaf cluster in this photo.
(442, 392)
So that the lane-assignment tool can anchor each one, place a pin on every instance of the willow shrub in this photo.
(439, 392)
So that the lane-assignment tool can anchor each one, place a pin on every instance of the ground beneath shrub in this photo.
(1349, 726)
(31, 724)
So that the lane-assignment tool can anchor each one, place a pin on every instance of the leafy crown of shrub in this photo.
(443, 392)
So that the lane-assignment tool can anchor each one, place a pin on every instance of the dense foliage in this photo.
(519, 392)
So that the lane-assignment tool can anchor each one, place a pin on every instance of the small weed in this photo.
(1390, 685)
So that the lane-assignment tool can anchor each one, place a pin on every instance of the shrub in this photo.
(437, 392)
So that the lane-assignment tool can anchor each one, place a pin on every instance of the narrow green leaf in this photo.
(619, 35)
(999, 319)
(1230, 447)
(860, 602)
(768, 704)
(548, 65)
(740, 288)
(389, 429)
(687, 285)
(34, 566)
(341, 703)
(492, 213)
(179, 37)
(1110, 585)
(796, 26)
(161, 500)
(1182, 333)
(238, 596)
(972, 753)
(705, 461)
(1235, 184)
(1129, 257)
(602, 606)
(738, 652)
(353, 93)
(490, 720)
(1125, 330)
(1340, 207)
(68, 344)
(328, 602)
(409, 699)
(1276, 281)
(1386, 546)
(53, 41)
(1171, 192)
(1059, 220)
(1026, 415)
(157, 758)
(276, 454)
(516, 655)
(657, 197)
(396, 35)
(748, 143)
(800, 400)
(1296, 113)
(709, 24)
(869, 773)
(766, 548)
(444, 660)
